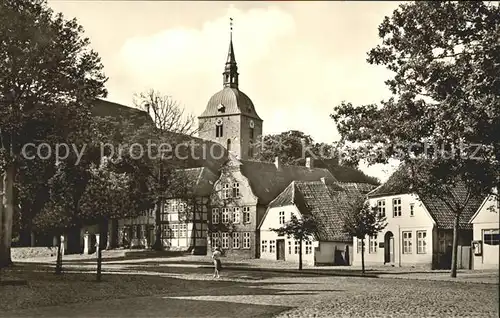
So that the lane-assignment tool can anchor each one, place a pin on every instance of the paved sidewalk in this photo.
(117, 260)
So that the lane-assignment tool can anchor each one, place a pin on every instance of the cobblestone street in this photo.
(254, 294)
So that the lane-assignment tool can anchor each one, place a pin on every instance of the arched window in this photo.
(228, 145)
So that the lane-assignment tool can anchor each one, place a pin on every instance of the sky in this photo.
(297, 60)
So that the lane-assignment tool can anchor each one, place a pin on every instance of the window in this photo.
(421, 242)
(228, 145)
(289, 247)
(215, 216)
(412, 213)
(236, 189)
(182, 230)
(282, 217)
(251, 133)
(246, 240)
(175, 230)
(165, 231)
(372, 241)
(226, 191)
(309, 247)
(218, 130)
(250, 149)
(225, 215)
(236, 215)
(236, 239)
(264, 246)
(381, 207)
(272, 246)
(359, 245)
(297, 247)
(246, 214)
(407, 243)
(221, 108)
(215, 239)
(173, 206)
(396, 207)
(225, 240)
(491, 237)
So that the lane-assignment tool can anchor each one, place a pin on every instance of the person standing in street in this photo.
(217, 262)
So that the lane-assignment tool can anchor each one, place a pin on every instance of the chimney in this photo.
(309, 163)
(277, 162)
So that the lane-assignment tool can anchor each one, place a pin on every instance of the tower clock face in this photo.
(251, 124)
(218, 122)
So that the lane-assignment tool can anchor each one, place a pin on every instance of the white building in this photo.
(486, 235)
(419, 229)
(326, 202)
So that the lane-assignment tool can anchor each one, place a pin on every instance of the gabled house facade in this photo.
(184, 216)
(419, 229)
(241, 197)
(327, 202)
(486, 234)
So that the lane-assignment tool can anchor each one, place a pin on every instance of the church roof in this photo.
(267, 181)
(196, 153)
(233, 102)
(104, 108)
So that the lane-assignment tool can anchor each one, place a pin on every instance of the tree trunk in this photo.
(363, 256)
(454, 252)
(59, 255)
(300, 254)
(7, 213)
(113, 234)
(158, 246)
(99, 262)
(194, 208)
(25, 233)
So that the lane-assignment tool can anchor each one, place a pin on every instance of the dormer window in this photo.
(221, 108)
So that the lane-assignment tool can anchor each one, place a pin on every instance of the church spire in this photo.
(231, 69)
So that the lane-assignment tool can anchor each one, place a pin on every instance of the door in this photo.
(389, 248)
(280, 250)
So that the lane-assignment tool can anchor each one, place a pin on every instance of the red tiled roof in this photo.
(327, 203)
(438, 209)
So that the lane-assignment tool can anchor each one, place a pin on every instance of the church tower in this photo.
(230, 118)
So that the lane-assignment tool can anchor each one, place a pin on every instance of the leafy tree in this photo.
(59, 213)
(362, 220)
(292, 147)
(302, 229)
(154, 169)
(443, 120)
(108, 195)
(48, 82)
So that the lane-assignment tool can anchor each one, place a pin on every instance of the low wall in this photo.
(32, 252)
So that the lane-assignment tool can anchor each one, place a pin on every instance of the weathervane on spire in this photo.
(231, 28)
